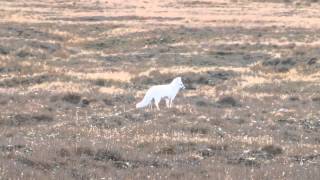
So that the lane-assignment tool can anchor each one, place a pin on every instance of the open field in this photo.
(71, 73)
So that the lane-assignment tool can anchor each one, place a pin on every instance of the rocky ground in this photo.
(71, 73)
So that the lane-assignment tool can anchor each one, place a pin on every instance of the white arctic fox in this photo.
(166, 91)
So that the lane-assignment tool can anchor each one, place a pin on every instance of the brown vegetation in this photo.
(71, 73)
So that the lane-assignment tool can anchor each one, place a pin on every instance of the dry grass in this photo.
(71, 73)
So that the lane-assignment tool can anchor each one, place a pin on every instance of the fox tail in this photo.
(145, 102)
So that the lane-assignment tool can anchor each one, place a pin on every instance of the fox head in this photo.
(178, 82)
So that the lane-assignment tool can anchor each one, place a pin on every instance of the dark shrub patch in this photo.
(312, 61)
(209, 151)
(106, 155)
(25, 119)
(199, 130)
(63, 152)
(23, 54)
(85, 102)
(104, 122)
(279, 65)
(72, 98)
(108, 102)
(80, 151)
(228, 101)
(43, 118)
(272, 150)
(4, 51)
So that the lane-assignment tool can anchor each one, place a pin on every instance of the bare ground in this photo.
(71, 73)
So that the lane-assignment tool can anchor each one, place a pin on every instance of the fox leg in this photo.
(150, 106)
(168, 102)
(156, 102)
(157, 105)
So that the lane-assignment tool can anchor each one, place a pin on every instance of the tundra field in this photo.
(71, 73)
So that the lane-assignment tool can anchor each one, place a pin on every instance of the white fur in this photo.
(156, 93)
